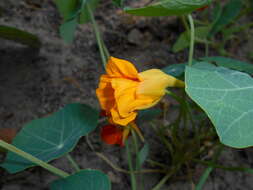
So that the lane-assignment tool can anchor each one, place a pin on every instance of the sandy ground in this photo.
(32, 85)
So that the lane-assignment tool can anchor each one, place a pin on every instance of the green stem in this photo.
(137, 161)
(33, 159)
(73, 162)
(98, 36)
(163, 181)
(192, 40)
(208, 170)
(185, 23)
(136, 148)
(130, 164)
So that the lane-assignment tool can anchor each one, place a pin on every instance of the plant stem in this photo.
(130, 164)
(208, 170)
(137, 160)
(73, 162)
(98, 37)
(163, 181)
(192, 40)
(33, 159)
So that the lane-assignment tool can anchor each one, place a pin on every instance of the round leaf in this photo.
(51, 137)
(227, 98)
(83, 180)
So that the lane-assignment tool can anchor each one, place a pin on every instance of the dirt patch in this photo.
(32, 85)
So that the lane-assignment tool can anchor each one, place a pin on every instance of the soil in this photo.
(32, 85)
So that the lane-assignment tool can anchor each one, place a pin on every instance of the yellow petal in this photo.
(154, 82)
(121, 68)
(124, 93)
(117, 119)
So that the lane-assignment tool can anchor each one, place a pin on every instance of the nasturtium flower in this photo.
(122, 90)
(114, 135)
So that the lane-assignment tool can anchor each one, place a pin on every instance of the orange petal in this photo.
(105, 93)
(112, 134)
(121, 68)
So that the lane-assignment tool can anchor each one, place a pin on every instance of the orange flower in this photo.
(112, 134)
(123, 91)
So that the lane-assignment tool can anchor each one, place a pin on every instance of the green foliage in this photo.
(67, 30)
(84, 16)
(226, 16)
(20, 36)
(51, 137)
(67, 8)
(143, 153)
(168, 8)
(74, 12)
(227, 98)
(230, 63)
(83, 180)
(183, 40)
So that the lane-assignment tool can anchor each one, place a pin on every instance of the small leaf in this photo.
(168, 8)
(67, 30)
(229, 13)
(84, 16)
(230, 63)
(143, 154)
(184, 38)
(20, 36)
(227, 98)
(66, 7)
(51, 137)
(83, 180)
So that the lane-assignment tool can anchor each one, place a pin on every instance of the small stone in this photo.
(135, 37)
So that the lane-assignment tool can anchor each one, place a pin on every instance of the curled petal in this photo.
(118, 119)
(121, 68)
(105, 93)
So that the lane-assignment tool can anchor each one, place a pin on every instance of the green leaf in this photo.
(67, 30)
(227, 98)
(184, 38)
(51, 137)
(168, 8)
(20, 36)
(229, 13)
(216, 12)
(66, 7)
(84, 16)
(83, 180)
(148, 114)
(230, 63)
(143, 154)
